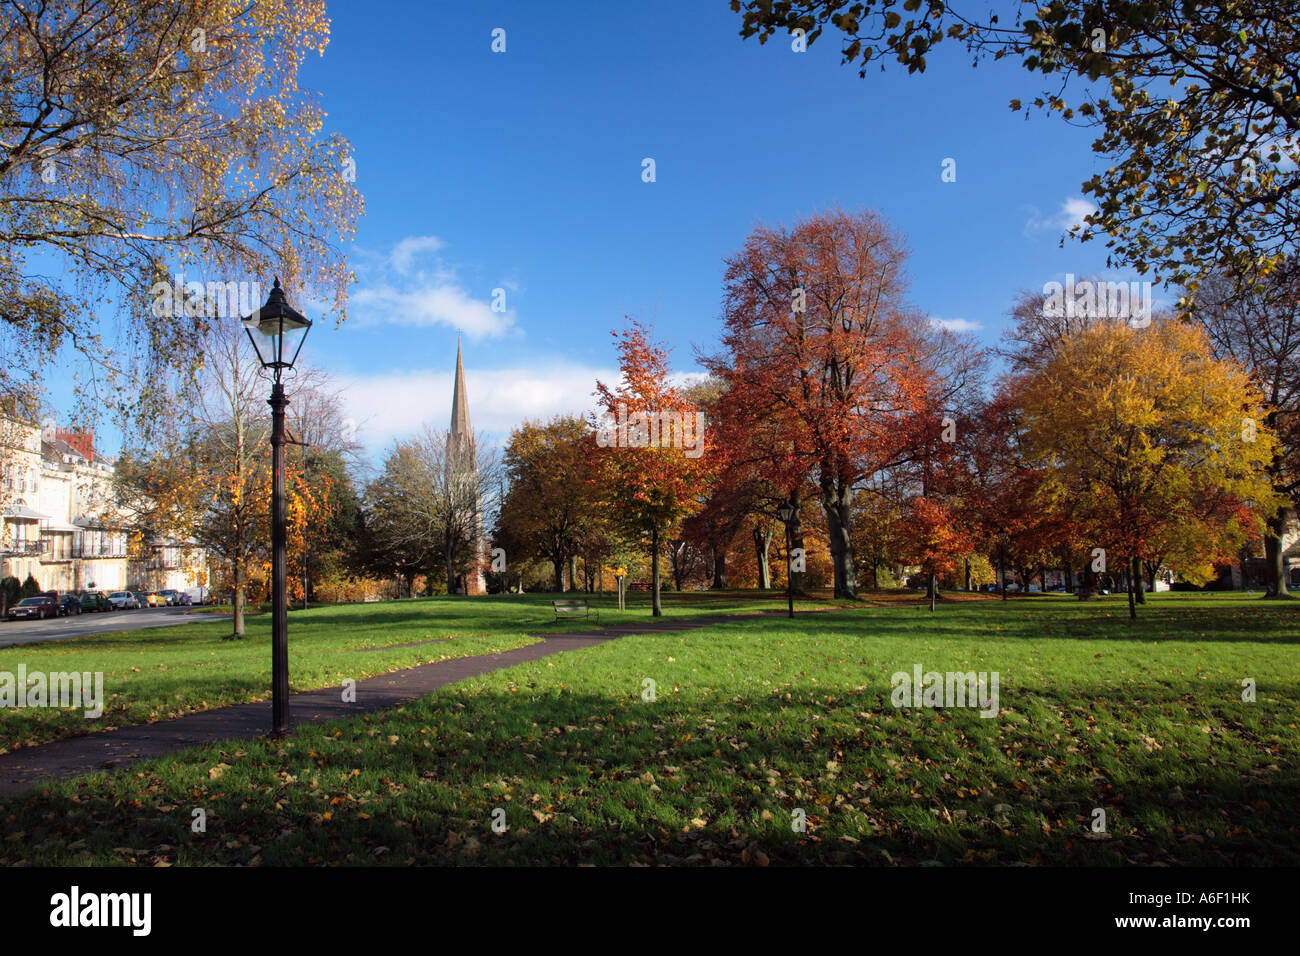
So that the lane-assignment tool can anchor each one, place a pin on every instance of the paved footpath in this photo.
(116, 749)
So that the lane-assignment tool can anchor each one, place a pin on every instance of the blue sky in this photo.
(522, 171)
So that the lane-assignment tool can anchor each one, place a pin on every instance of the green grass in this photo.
(754, 720)
(160, 673)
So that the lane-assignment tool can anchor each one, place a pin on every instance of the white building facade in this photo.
(58, 523)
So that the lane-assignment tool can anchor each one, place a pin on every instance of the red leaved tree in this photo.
(826, 365)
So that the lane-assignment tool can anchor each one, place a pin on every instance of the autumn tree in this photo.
(550, 507)
(1135, 424)
(144, 139)
(756, 468)
(878, 529)
(935, 541)
(649, 451)
(207, 479)
(736, 493)
(826, 361)
(1195, 104)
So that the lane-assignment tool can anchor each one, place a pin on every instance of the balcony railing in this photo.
(156, 564)
(99, 551)
(21, 549)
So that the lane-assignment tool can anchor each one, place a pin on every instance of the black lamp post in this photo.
(280, 334)
(786, 511)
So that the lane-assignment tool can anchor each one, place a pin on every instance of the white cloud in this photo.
(414, 286)
(409, 248)
(432, 304)
(957, 325)
(1072, 213)
(398, 404)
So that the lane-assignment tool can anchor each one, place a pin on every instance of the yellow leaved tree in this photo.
(1145, 439)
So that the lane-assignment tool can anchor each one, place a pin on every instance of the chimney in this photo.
(82, 441)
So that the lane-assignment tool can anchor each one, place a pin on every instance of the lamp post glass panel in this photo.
(786, 511)
(277, 333)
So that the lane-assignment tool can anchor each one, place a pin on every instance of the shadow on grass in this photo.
(1239, 622)
(593, 779)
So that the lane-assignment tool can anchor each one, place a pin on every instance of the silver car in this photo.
(123, 600)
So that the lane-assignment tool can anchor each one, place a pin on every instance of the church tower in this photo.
(463, 479)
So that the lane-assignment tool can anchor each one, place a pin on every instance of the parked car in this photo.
(69, 605)
(39, 607)
(152, 599)
(95, 601)
(124, 600)
(198, 595)
(172, 595)
(183, 599)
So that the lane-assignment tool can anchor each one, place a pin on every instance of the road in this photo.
(63, 628)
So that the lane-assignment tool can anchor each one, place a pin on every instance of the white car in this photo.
(123, 600)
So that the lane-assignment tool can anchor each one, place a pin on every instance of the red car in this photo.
(34, 607)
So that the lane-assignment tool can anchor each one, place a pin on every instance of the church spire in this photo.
(460, 400)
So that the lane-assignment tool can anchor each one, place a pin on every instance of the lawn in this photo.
(157, 674)
(754, 724)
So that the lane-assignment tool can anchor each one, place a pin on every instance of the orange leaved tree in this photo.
(648, 452)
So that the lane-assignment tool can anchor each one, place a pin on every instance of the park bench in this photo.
(573, 608)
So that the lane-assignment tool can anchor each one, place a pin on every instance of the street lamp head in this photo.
(786, 511)
(280, 330)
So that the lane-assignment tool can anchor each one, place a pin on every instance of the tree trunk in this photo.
(451, 571)
(238, 600)
(656, 609)
(933, 588)
(719, 569)
(1132, 603)
(573, 572)
(557, 564)
(1135, 577)
(1068, 572)
(967, 575)
(837, 503)
(1275, 565)
(677, 550)
(762, 541)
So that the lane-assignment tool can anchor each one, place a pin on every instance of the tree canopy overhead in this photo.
(1195, 102)
(142, 139)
